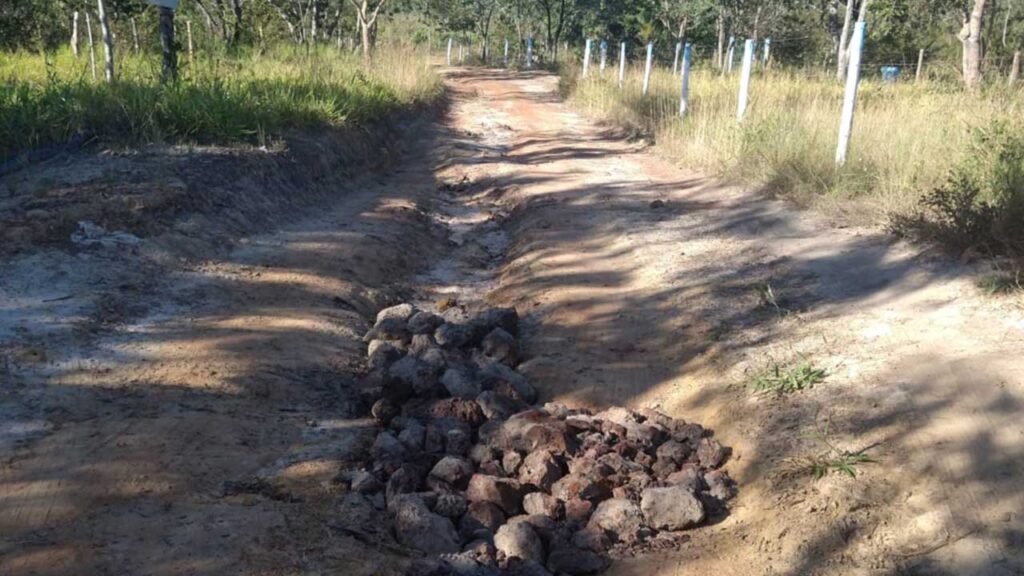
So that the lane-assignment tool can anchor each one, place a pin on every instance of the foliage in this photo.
(981, 206)
(777, 378)
(242, 99)
(832, 459)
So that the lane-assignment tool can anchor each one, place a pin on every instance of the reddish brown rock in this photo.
(502, 492)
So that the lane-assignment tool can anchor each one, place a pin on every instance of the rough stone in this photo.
(498, 406)
(507, 381)
(535, 430)
(578, 510)
(671, 508)
(591, 538)
(519, 540)
(720, 485)
(381, 354)
(424, 322)
(457, 441)
(400, 312)
(451, 505)
(542, 503)
(540, 469)
(482, 453)
(365, 483)
(688, 477)
(412, 436)
(710, 453)
(674, 451)
(500, 346)
(460, 409)
(406, 480)
(510, 462)
(417, 527)
(481, 516)
(520, 567)
(584, 486)
(505, 318)
(387, 448)
(416, 374)
(460, 383)
(420, 344)
(502, 492)
(384, 410)
(453, 470)
(453, 336)
(620, 517)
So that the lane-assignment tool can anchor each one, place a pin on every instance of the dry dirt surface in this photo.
(186, 409)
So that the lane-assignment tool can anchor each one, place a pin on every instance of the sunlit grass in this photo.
(906, 137)
(48, 99)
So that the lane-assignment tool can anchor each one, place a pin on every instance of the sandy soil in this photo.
(129, 404)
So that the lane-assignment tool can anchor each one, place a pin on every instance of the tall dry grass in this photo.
(220, 98)
(907, 137)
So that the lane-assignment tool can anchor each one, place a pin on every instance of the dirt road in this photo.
(639, 284)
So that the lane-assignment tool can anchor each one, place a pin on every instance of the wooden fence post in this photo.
(920, 65)
(108, 42)
(1015, 68)
(169, 66)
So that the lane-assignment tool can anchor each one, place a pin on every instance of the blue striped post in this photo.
(529, 52)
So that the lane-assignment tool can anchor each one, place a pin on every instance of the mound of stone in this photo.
(483, 481)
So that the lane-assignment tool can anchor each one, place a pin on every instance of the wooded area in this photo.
(969, 38)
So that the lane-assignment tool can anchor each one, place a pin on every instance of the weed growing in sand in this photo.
(787, 379)
(832, 459)
(1002, 283)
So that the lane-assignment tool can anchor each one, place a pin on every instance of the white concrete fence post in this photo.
(505, 59)
(684, 93)
(449, 51)
(850, 98)
(622, 64)
(586, 57)
(767, 53)
(748, 68)
(647, 67)
(604, 55)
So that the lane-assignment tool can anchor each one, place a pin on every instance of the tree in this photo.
(970, 36)
(366, 15)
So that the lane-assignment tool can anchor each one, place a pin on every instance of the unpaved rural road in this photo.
(131, 447)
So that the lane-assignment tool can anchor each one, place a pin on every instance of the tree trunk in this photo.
(135, 36)
(92, 45)
(74, 34)
(236, 35)
(108, 42)
(842, 56)
(169, 68)
(972, 48)
(720, 49)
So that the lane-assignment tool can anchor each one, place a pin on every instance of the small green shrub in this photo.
(777, 378)
(981, 206)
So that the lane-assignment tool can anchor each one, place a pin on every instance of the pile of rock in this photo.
(485, 483)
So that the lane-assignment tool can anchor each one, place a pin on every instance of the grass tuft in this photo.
(785, 380)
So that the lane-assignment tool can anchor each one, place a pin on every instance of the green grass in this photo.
(906, 137)
(831, 459)
(787, 379)
(220, 100)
